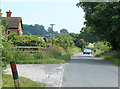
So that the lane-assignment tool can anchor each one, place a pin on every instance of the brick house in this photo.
(14, 23)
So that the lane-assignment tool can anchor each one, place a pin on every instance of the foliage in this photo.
(64, 40)
(38, 30)
(81, 43)
(26, 40)
(52, 56)
(113, 57)
(24, 82)
(102, 47)
(73, 50)
(8, 53)
(74, 37)
(87, 36)
(64, 31)
(103, 20)
(54, 52)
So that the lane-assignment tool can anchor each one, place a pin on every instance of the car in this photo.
(87, 51)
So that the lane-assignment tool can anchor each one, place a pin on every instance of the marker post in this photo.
(15, 74)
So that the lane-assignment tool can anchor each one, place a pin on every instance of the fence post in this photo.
(15, 74)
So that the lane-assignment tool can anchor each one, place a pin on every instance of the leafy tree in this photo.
(81, 43)
(49, 30)
(38, 30)
(74, 37)
(103, 19)
(64, 31)
(87, 36)
(64, 40)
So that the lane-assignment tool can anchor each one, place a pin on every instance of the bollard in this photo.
(15, 74)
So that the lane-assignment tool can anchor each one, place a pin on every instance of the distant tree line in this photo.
(40, 31)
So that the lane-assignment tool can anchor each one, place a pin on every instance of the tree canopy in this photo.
(103, 20)
(64, 31)
(38, 30)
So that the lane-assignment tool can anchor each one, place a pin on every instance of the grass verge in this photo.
(24, 82)
(111, 57)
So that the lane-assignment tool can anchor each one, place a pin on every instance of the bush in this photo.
(26, 40)
(64, 40)
(8, 52)
(102, 47)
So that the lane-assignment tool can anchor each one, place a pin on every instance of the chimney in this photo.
(9, 13)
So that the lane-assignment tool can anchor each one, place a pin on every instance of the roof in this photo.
(13, 22)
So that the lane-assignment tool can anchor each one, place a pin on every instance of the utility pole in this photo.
(52, 33)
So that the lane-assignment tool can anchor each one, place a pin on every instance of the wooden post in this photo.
(15, 74)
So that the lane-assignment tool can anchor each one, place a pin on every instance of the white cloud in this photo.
(40, 0)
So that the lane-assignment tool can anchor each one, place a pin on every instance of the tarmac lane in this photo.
(89, 71)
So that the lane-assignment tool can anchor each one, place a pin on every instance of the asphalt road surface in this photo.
(89, 71)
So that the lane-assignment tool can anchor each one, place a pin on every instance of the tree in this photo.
(38, 30)
(64, 40)
(103, 19)
(87, 36)
(81, 43)
(64, 31)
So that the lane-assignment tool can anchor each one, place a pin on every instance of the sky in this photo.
(63, 13)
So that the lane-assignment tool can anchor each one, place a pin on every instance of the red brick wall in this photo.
(14, 30)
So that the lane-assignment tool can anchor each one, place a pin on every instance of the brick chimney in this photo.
(9, 13)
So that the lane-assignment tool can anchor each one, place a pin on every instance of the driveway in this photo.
(89, 71)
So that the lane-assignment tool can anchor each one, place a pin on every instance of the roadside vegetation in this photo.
(104, 51)
(60, 53)
(24, 82)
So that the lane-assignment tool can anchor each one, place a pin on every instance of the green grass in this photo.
(41, 61)
(52, 56)
(24, 82)
(60, 59)
(111, 57)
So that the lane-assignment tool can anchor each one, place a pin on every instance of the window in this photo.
(8, 32)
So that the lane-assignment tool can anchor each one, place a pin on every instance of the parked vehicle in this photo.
(87, 51)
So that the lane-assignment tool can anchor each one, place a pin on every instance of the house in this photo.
(14, 23)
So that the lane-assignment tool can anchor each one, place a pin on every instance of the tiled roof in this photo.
(13, 22)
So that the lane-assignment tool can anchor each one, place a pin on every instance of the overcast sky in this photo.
(62, 13)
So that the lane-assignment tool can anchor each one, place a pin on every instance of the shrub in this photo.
(8, 52)
(26, 40)
(102, 47)
(64, 40)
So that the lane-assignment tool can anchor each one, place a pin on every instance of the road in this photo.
(89, 71)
